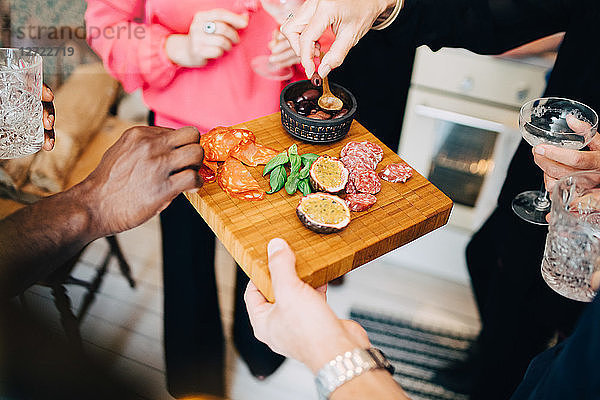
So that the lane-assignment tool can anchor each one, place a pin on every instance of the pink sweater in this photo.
(129, 36)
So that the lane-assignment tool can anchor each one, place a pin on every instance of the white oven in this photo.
(460, 131)
(461, 125)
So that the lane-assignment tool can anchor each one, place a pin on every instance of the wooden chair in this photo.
(58, 281)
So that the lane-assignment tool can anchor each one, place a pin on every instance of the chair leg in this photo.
(115, 250)
(68, 320)
(92, 288)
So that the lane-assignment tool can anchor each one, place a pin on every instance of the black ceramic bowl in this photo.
(314, 130)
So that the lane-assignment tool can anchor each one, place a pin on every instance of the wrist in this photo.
(320, 353)
(176, 48)
(387, 14)
(84, 199)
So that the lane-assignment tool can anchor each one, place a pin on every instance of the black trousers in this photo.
(519, 312)
(193, 333)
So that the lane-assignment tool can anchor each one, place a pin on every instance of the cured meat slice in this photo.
(213, 165)
(360, 201)
(375, 149)
(370, 149)
(365, 180)
(252, 154)
(396, 173)
(207, 174)
(353, 159)
(235, 179)
(347, 147)
(350, 189)
(218, 142)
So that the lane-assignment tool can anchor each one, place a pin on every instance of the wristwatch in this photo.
(349, 365)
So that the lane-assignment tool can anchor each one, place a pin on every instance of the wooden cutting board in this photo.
(403, 212)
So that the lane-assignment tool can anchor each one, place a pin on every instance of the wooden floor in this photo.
(125, 324)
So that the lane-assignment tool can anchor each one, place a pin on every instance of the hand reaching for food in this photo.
(212, 33)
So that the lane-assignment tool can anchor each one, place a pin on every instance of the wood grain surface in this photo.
(403, 212)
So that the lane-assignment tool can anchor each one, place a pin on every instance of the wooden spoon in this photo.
(328, 101)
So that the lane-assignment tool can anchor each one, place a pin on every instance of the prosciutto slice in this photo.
(235, 179)
(253, 154)
(218, 142)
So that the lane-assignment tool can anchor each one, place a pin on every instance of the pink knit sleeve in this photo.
(133, 52)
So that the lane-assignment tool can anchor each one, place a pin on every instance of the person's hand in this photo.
(558, 162)
(200, 45)
(349, 19)
(48, 117)
(282, 54)
(140, 175)
(299, 324)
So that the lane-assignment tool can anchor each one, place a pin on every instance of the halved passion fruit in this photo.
(328, 174)
(323, 212)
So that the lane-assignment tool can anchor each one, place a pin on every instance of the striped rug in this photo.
(416, 352)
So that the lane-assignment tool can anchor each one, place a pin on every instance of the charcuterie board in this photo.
(403, 212)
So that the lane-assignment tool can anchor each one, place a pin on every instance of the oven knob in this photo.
(467, 84)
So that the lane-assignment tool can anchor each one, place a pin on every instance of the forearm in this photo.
(484, 26)
(37, 239)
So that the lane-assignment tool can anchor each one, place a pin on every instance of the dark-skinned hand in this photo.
(140, 175)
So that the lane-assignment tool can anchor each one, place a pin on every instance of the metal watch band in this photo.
(347, 366)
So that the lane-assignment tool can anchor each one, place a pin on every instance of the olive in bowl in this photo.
(302, 118)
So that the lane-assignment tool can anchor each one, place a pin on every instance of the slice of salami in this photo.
(365, 180)
(350, 189)
(375, 149)
(369, 152)
(358, 156)
(352, 162)
(396, 173)
(360, 201)
(348, 146)
(207, 174)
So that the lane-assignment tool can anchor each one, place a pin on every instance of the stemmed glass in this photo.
(279, 10)
(557, 121)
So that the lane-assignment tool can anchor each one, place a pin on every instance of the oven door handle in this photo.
(461, 119)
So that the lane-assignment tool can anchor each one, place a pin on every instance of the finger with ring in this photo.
(210, 27)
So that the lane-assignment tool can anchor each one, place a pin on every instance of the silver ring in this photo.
(209, 27)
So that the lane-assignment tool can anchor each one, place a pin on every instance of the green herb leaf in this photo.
(309, 158)
(277, 179)
(295, 163)
(304, 186)
(293, 149)
(305, 171)
(292, 183)
(279, 159)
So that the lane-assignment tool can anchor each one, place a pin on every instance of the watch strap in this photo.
(347, 366)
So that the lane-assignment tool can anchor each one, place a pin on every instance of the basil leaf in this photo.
(304, 172)
(277, 179)
(295, 163)
(304, 187)
(293, 149)
(292, 183)
(279, 159)
(309, 158)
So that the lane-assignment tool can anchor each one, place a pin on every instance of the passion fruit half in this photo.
(323, 212)
(328, 174)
